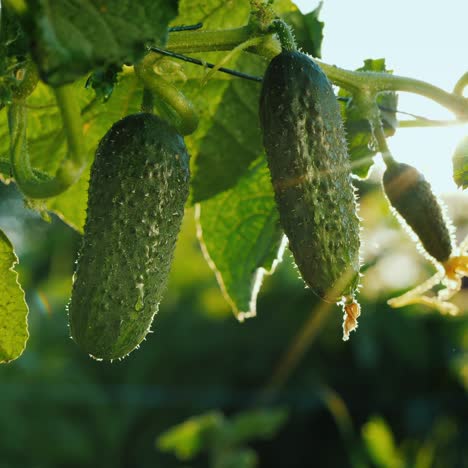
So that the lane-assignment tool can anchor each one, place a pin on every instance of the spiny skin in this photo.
(307, 155)
(138, 187)
(411, 196)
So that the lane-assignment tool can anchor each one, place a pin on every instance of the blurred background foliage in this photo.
(280, 390)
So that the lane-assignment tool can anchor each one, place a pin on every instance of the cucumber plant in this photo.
(125, 88)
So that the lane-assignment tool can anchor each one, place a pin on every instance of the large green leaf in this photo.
(241, 238)
(68, 38)
(360, 141)
(47, 140)
(13, 307)
(308, 30)
(460, 164)
(231, 137)
(193, 436)
(380, 444)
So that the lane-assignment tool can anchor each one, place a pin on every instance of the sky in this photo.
(422, 39)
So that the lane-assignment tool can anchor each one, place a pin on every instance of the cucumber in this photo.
(410, 194)
(311, 175)
(138, 187)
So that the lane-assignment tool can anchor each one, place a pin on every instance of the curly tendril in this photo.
(29, 182)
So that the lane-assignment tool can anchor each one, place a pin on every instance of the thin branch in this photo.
(196, 61)
(461, 84)
(423, 122)
(377, 82)
(190, 27)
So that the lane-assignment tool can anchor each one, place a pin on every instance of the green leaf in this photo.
(47, 140)
(214, 14)
(229, 139)
(103, 81)
(13, 307)
(224, 439)
(308, 30)
(70, 37)
(254, 424)
(213, 144)
(360, 141)
(380, 444)
(460, 164)
(13, 44)
(191, 437)
(241, 238)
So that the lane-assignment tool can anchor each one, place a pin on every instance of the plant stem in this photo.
(202, 63)
(147, 103)
(186, 118)
(425, 123)
(71, 120)
(211, 41)
(365, 101)
(375, 82)
(353, 81)
(207, 41)
(229, 56)
(460, 85)
(285, 35)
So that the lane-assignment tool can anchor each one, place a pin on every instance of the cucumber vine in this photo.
(44, 52)
(371, 83)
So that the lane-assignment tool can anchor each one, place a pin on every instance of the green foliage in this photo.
(225, 145)
(224, 170)
(13, 44)
(13, 308)
(71, 37)
(380, 444)
(223, 439)
(193, 436)
(46, 138)
(393, 397)
(308, 30)
(407, 367)
(460, 164)
(239, 230)
(103, 81)
(223, 151)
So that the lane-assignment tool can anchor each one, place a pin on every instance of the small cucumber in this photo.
(138, 187)
(310, 170)
(410, 194)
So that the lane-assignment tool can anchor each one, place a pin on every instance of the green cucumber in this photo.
(410, 194)
(311, 175)
(137, 192)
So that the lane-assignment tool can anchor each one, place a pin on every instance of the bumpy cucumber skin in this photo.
(310, 170)
(138, 187)
(412, 197)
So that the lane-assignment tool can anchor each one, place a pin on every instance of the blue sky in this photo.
(427, 40)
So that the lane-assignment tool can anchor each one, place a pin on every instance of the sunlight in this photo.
(410, 48)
